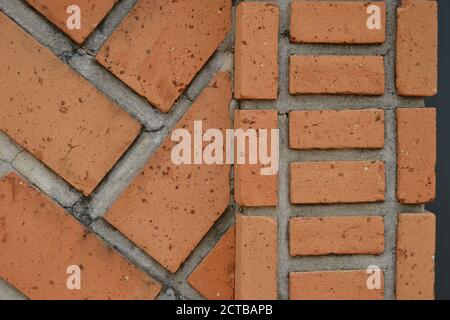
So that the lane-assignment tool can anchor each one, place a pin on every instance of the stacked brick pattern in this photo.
(85, 149)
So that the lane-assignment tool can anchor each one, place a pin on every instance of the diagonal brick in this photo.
(56, 115)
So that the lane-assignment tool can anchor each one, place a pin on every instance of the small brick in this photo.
(335, 22)
(417, 48)
(333, 285)
(169, 208)
(214, 276)
(161, 45)
(416, 242)
(336, 75)
(256, 56)
(252, 189)
(337, 182)
(416, 155)
(336, 235)
(56, 115)
(92, 12)
(39, 241)
(336, 129)
(256, 258)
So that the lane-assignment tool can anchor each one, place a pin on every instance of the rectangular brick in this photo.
(336, 129)
(337, 22)
(336, 235)
(416, 245)
(337, 182)
(417, 48)
(336, 75)
(256, 50)
(333, 285)
(56, 115)
(252, 189)
(256, 258)
(416, 155)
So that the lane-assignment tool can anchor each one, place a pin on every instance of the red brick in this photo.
(416, 155)
(337, 182)
(336, 235)
(57, 115)
(92, 12)
(256, 258)
(256, 56)
(162, 44)
(252, 189)
(417, 48)
(335, 22)
(336, 75)
(168, 208)
(39, 241)
(333, 285)
(336, 129)
(214, 276)
(416, 242)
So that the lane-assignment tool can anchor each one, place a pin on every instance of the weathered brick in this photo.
(162, 44)
(417, 48)
(336, 75)
(416, 155)
(92, 12)
(256, 258)
(168, 208)
(337, 182)
(57, 115)
(416, 245)
(256, 55)
(333, 285)
(336, 129)
(214, 276)
(252, 189)
(336, 22)
(39, 241)
(336, 235)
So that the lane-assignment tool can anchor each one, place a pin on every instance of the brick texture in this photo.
(256, 55)
(336, 235)
(336, 129)
(416, 237)
(256, 258)
(162, 44)
(56, 115)
(39, 241)
(337, 182)
(335, 22)
(336, 75)
(416, 155)
(417, 55)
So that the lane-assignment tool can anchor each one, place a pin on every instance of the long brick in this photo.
(333, 285)
(336, 75)
(336, 129)
(416, 245)
(162, 44)
(336, 235)
(336, 22)
(214, 276)
(39, 241)
(57, 115)
(92, 13)
(416, 155)
(168, 208)
(252, 188)
(256, 258)
(417, 48)
(256, 55)
(337, 182)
